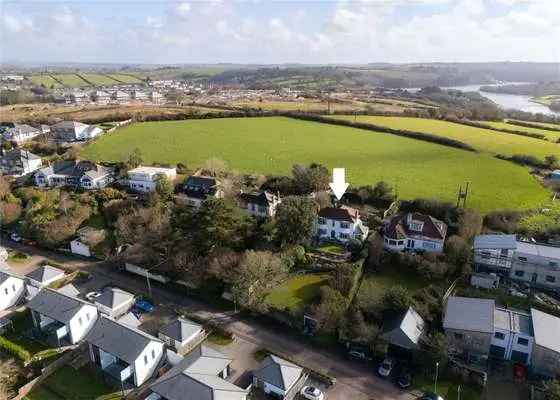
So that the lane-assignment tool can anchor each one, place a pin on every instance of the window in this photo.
(6, 291)
(499, 335)
(503, 253)
(522, 259)
(519, 273)
(153, 354)
(553, 264)
(392, 242)
(14, 288)
(485, 254)
(386, 241)
(400, 242)
(322, 221)
(522, 341)
(87, 316)
(145, 360)
(458, 336)
(550, 279)
(80, 321)
(344, 225)
(343, 235)
(415, 226)
(322, 231)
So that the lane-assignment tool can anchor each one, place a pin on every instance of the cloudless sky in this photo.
(272, 31)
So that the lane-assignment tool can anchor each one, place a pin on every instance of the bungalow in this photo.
(73, 131)
(261, 204)
(12, 289)
(124, 353)
(181, 334)
(144, 179)
(20, 133)
(85, 174)
(405, 331)
(64, 319)
(18, 162)
(200, 375)
(198, 188)
(86, 239)
(44, 276)
(414, 232)
(340, 224)
(494, 253)
(278, 377)
(114, 302)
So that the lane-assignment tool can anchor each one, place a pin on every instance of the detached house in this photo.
(494, 253)
(157, 97)
(85, 174)
(144, 179)
(124, 353)
(404, 331)
(114, 302)
(100, 96)
(40, 278)
(73, 131)
(545, 359)
(414, 232)
(537, 265)
(198, 188)
(279, 378)
(181, 334)
(120, 96)
(261, 204)
(18, 162)
(340, 224)
(202, 375)
(139, 95)
(62, 319)
(21, 133)
(12, 289)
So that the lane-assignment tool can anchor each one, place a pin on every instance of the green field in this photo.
(555, 126)
(45, 80)
(125, 78)
(485, 140)
(99, 79)
(550, 135)
(297, 291)
(273, 145)
(71, 80)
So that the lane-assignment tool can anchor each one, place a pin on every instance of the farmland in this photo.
(125, 78)
(99, 79)
(70, 80)
(550, 135)
(46, 81)
(484, 140)
(274, 145)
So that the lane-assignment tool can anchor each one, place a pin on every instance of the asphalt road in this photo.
(355, 381)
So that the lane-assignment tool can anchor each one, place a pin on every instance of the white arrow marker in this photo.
(338, 185)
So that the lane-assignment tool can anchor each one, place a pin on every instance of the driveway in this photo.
(354, 381)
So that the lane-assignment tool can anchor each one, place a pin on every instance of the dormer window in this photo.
(416, 226)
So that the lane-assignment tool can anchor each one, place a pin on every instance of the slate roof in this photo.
(262, 198)
(5, 275)
(19, 129)
(278, 372)
(397, 228)
(69, 290)
(19, 155)
(122, 341)
(196, 378)
(68, 125)
(56, 305)
(77, 169)
(546, 328)
(45, 273)
(200, 187)
(340, 214)
(181, 329)
(495, 242)
(114, 298)
(469, 314)
(539, 250)
(405, 330)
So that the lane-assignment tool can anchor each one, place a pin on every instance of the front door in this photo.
(410, 244)
(333, 234)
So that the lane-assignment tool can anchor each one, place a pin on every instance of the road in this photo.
(354, 380)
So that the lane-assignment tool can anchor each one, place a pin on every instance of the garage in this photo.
(497, 352)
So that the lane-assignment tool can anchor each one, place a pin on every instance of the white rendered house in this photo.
(340, 224)
(144, 179)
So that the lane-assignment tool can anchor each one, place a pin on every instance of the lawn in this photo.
(125, 78)
(99, 79)
(297, 291)
(375, 284)
(273, 145)
(331, 248)
(484, 140)
(69, 384)
(550, 135)
(45, 80)
(71, 80)
(546, 219)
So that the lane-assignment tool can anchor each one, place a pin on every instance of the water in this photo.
(508, 101)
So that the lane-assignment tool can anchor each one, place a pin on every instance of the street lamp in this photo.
(459, 392)
(435, 381)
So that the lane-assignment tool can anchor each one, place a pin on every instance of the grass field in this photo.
(99, 79)
(484, 140)
(297, 291)
(45, 80)
(550, 135)
(125, 78)
(71, 80)
(273, 145)
(556, 126)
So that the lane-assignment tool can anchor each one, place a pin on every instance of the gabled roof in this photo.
(494, 242)
(278, 372)
(546, 328)
(404, 331)
(69, 290)
(45, 274)
(469, 314)
(113, 298)
(122, 341)
(22, 128)
(196, 378)
(340, 214)
(56, 305)
(181, 329)
(5, 275)
(19, 155)
(200, 186)
(69, 124)
(398, 228)
(262, 198)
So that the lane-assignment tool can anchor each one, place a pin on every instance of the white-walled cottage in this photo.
(414, 232)
(340, 224)
(12, 289)
(144, 179)
(18, 162)
(84, 174)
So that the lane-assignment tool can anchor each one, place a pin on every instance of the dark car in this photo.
(431, 396)
(404, 379)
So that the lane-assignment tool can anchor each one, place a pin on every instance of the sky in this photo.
(279, 31)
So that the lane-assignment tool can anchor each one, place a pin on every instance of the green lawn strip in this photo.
(297, 291)
(18, 257)
(546, 219)
(15, 342)
(550, 135)
(484, 140)
(273, 145)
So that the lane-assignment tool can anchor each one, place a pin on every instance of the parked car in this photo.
(312, 393)
(358, 354)
(404, 380)
(431, 396)
(16, 237)
(91, 296)
(386, 367)
(144, 305)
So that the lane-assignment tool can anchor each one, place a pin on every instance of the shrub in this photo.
(14, 349)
